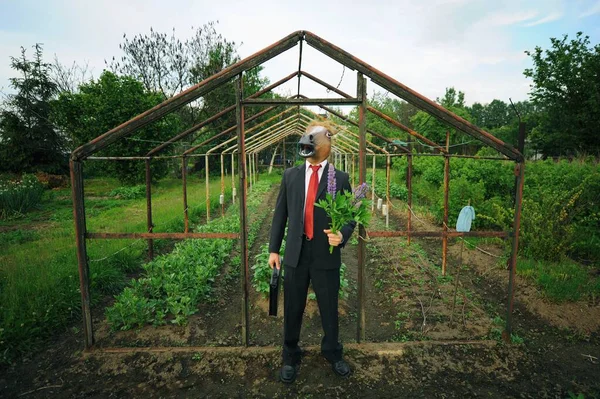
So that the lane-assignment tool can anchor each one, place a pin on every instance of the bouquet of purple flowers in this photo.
(346, 206)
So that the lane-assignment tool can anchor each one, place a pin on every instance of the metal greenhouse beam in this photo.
(224, 132)
(410, 95)
(213, 118)
(186, 96)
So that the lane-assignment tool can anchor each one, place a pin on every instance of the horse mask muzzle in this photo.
(315, 141)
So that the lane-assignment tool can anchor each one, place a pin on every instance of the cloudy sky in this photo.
(477, 46)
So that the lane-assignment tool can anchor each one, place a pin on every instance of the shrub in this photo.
(396, 190)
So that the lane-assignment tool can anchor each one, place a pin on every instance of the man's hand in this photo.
(334, 239)
(274, 260)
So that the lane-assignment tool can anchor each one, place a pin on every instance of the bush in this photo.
(396, 190)
(53, 181)
(19, 196)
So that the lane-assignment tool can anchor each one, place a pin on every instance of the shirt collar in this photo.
(307, 166)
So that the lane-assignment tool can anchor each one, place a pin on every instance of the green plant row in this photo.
(174, 284)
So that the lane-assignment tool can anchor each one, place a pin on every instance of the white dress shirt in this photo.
(308, 175)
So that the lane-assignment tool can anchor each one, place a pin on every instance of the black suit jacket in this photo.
(290, 206)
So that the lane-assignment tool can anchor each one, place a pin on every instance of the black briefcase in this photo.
(274, 292)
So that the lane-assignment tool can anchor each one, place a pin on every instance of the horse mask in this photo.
(315, 143)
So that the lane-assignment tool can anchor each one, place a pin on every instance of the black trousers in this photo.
(326, 284)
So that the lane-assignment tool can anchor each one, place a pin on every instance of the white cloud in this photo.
(428, 46)
(505, 18)
(594, 9)
(549, 18)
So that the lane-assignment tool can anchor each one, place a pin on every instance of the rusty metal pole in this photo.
(207, 181)
(222, 198)
(149, 223)
(409, 173)
(239, 95)
(362, 171)
(184, 161)
(82, 259)
(446, 189)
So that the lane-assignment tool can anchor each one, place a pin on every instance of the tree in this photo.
(452, 99)
(103, 104)
(434, 129)
(28, 140)
(166, 64)
(69, 78)
(392, 107)
(566, 86)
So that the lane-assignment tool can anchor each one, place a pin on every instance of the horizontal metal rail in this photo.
(175, 236)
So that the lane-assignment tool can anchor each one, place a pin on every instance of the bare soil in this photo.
(422, 344)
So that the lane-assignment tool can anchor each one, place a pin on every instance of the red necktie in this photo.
(309, 218)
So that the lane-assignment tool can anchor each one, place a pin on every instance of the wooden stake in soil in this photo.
(457, 280)
(446, 189)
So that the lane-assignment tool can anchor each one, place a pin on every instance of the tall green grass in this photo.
(39, 280)
(19, 196)
(561, 281)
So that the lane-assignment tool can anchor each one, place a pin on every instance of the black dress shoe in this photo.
(287, 374)
(341, 368)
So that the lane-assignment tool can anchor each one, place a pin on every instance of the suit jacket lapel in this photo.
(302, 185)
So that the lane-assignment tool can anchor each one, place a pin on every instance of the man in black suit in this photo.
(307, 257)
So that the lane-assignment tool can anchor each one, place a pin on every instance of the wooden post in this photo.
(519, 179)
(184, 161)
(284, 157)
(353, 178)
(409, 174)
(239, 95)
(362, 171)
(82, 259)
(207, 179)
(248, 171)
(149, 223)
(232, 178)
(446, 189)
(373, 184)
(222, 186)
(387, 191)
